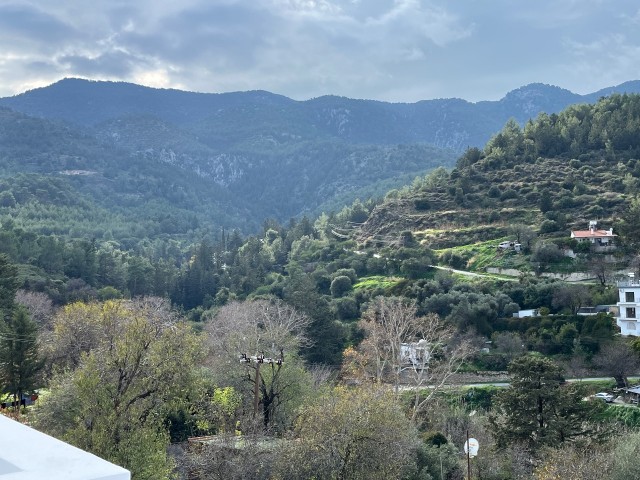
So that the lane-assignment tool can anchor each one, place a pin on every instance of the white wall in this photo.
(27, 454)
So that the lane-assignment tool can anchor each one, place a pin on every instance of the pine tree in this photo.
(19, 360)
(9, 284)
(539, 409)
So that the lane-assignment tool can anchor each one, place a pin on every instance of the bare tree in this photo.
(618, 359)
(420, 351)
(227, 457)
(572, 296)
(38, 304)
(600, 268)
(257, 327)
(269, 333)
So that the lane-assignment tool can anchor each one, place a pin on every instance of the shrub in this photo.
(421, 204)
(546, 253)
(346, 308)
(548, 226)
(509, 193)
(340, 286)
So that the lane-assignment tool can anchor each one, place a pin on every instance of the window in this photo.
(631, 326)
(631, 312)
(629, 297)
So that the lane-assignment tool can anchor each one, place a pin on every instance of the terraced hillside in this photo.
(551, 186)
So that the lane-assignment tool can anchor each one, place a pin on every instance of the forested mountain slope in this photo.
(59, 179)
(162, 161)
(151, 162)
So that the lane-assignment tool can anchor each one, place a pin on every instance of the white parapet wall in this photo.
(27, 454)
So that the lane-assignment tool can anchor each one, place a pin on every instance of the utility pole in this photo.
(471, 449)
(259, 360)
(256, 399)
(468, 457)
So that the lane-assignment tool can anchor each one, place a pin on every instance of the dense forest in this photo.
(279, 354)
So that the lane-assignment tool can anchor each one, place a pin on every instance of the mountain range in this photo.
(234, 159)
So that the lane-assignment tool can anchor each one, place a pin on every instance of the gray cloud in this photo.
(396, 50)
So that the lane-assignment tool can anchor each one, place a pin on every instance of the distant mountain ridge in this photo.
(445, 123)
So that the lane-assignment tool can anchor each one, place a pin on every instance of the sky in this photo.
(389, 50)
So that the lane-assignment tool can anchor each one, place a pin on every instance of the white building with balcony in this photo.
(628, 307)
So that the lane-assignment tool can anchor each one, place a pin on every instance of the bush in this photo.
(109, 293)
(509, 193)
(347, 272)
(414, 268)
(346, 308)
(582, 247)
(421, 204)
(340, 286)
(478, 398)
(546, 253)
(453, 259)
(548, 226)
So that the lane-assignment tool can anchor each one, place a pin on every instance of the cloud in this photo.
(385, 49)
(604, 60)
(24, 28)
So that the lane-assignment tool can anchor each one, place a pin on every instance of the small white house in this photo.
(532, 312)
(598, 238)
(415, 353)
(27, 454)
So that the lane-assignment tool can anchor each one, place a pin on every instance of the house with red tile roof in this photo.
(601, 239)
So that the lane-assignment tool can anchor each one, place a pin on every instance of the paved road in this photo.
(632, 380)
(473, 274)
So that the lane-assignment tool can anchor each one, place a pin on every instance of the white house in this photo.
(27, 454)
(532, 312)
(628, 307)
(416, 353)
(601, 239)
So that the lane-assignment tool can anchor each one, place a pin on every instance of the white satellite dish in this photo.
(471, 447)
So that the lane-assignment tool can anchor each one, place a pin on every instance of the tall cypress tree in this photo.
(9, 284)
(19, 362)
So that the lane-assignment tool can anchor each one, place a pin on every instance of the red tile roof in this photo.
(592, 234)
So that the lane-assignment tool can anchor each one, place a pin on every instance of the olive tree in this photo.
(112, 402)
(350, 433)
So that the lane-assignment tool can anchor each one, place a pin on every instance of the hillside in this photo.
(142, 177)
(59, 179)
(556, 174)
(145, 156)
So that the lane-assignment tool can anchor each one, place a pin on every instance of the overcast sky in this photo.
(392, 50)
